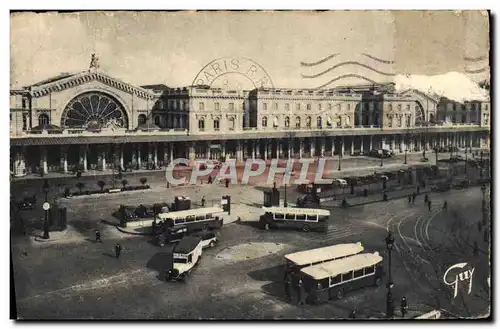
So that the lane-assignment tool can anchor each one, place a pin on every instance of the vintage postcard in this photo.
(272, 165)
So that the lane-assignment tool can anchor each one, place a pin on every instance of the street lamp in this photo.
(46, 207)
(406, 158)
(389, 241)
(340, 161)
(285, 203)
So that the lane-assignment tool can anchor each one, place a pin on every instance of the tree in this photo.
(124, 183)
(101, 184)
(143, 180)
(80, 186)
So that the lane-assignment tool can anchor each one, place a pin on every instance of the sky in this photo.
(172, 47)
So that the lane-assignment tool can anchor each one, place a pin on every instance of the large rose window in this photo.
(95, 110)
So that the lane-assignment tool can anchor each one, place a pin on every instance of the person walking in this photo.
(98, 236)
(445, 205)
(426, 199)
(353, 314)
(429, 205)
(118, 250)
(203, 201)
(414, 197)
(409, 199)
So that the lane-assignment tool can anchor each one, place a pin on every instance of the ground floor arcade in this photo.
(155, 155)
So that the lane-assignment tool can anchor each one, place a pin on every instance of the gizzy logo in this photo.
(377, 69)
(458, 274)
(242, 66)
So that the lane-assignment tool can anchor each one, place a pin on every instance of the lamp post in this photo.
(46, 207)
(382, 159)
(340, 161)
(406, 156)
(285, 203)
(389, 241)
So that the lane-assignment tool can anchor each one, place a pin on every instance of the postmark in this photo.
(225, 67)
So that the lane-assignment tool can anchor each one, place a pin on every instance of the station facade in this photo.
(92, 121)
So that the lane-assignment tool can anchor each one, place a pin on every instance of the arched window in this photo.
(275, 122)
(43, 119)
(348, 120)
(297, 122)
(308, 107)
(287, 122)
(264, 121)
(25, 122)
(400, 120)
(308, 122)
(231, 123)
(201, 124)
(141, 120)
(329, 122)
(339, 121)
(319, 122)
(389, 120)
(216, 124)
(390, 107)
(431, 117)
(463, 118)
(157, 120)
(264, 106)
(408, 120)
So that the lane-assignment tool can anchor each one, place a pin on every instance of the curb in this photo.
(121, 229)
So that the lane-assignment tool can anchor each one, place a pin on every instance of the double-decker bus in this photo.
(298, 260)
(200, 219)
(331, 280)
(305, 219)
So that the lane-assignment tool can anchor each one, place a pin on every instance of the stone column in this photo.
(223, 150)
(102, 157)
(257, 148)
(155, 155)
(333, 146)
(43, 159)
(150, 154)
(322, 146)
(139, 159)
(19, 162)
(470, 140)
(64, 159)
(83, 157)
(312, 143)
(171, 152)
(239, 152)
(192, 151)
(134, 156)
(289, 148)
(342, 145)
(165, 154)
(208, 151)
(120, 154)
(266, 149)
(401, 144)
(371, 142)
(362, 147)
(253, 148)
(279, 148)
(352, 145)
(301, 148)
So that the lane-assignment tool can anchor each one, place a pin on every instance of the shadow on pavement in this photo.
(108, 254)
(160, 261)
(274, 273)
(276, 290)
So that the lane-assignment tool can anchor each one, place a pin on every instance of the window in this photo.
(408, 120)
(408, 107)
(208, 216)
(264, 106)
(43, 119)
(358, 273)
(25, 122)
(201, 124)
(189, 219)
(202, 106)
(276, 106)
(308, 107)
(287, 122)
(185, 105)
(339, 121)
(486, 107)
(308, 122)
(264, 121)
(275, 122)
(141, 120)
(400, 120)
(287, 107)
(319, 107)
(297, 107)
(217, 106)
(198, 218)
(454, 107)
(319, 122)
(289, 216)
(369, 270)
(190, 258)
(389, 120)
(170, 104)
(231, 106)
(335, 279)
(390, 107)
(348, 107)
(10, 116)
(312, 218)
(231, 124)
(346, 276)
(463, 118)
(297, 122)
(279, 216)
(178, 104)
(157, 120)
(399, 107)
(301, 217)
(179, 221)
(216, 124)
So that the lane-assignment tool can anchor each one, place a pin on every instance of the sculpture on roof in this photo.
(94, 62)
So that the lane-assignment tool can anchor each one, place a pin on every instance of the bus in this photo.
(296, 261)
(305, 219)
(331, 280)
(200, 219)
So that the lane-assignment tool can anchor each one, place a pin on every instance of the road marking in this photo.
(427, 225)
(399, 228)
(95, 284)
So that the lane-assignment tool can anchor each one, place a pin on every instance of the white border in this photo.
(187, 4)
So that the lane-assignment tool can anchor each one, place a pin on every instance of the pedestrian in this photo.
(445, 205)
(227, 182)
(475, 251)
(98, 236)
(409, 198)
(414, 197)
(203, 201)
(426, 199)
(429, 205)
(353, 314)
(288, 283)
(301, 293)
(385, 196)
(418, 189)
(118, 250)
(209, 179)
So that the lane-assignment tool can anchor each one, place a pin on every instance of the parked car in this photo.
(208, 239)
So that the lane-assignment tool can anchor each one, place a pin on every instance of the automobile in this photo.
(462, 184)
(208, 239)
(441, 187)
(424, 159)
(127, 212)
(339, 182)
(387, 153)
(186, 255)
(170, 234)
